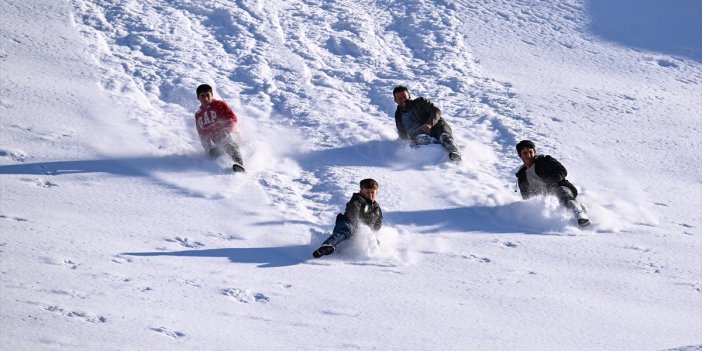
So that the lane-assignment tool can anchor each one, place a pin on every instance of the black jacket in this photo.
(424, 110)
(360, 210)
(550, 170)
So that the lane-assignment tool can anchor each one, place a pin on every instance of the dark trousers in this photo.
(443, 133)
(343, 230)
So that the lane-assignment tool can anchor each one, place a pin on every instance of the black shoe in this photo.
(455, 156)
(583, 222)
(323, 251)
(238, 168)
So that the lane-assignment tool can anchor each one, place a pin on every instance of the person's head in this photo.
(527, 152)
(402, 96)
(204, 94)
(369, 189)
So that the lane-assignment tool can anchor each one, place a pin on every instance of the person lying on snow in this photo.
(420, 122)
(360, 210)
(216, 126)
(544, 175)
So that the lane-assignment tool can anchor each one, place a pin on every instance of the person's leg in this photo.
(230, 147)
(566, 198)
(343, 230)
(215, 152)
(443, 133)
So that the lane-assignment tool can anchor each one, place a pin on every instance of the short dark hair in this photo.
(203, 88)
(399, 89)
(369, 183)
(525, 144)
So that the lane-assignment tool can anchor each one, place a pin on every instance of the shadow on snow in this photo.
(518, 217)
(669, 27)
(376, 153)
(394, 154)
(134, 166)
(265, 257)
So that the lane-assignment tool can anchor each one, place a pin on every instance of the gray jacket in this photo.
(422, 109)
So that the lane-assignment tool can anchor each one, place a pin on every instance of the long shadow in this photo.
(672, 27)
(134, 166)
(265, 257)
(516, 217)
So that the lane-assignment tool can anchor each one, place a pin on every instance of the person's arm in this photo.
(353, 210)
(522, 183)
(432, 111)
(379, 221)
(226, 118)
(229, 113)
(551, 170)
(204, 139)
(401, 131)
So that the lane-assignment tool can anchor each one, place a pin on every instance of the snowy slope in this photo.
(116, 231)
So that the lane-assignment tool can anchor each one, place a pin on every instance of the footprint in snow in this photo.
(70, 264)
(14, 155)
(185, 242)
(67, 263)
(477, 259)
(40, 182)
(9, 218)
(167, 332)
(245, 296)
(507, 244)
(121, 259)
(88, 317)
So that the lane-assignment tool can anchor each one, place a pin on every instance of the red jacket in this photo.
(214, 122)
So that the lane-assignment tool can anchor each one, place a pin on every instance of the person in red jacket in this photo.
(216, 126)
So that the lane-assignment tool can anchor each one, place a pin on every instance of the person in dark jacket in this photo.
(418, 121)
(360, 210)
(544, 175)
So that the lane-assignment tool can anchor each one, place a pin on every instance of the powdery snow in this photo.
(118, 233)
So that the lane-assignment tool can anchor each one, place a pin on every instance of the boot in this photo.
(323, 250)
(447, 141)
(238, 168)
(579, 213)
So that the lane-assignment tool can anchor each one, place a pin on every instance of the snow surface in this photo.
(117, 232)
